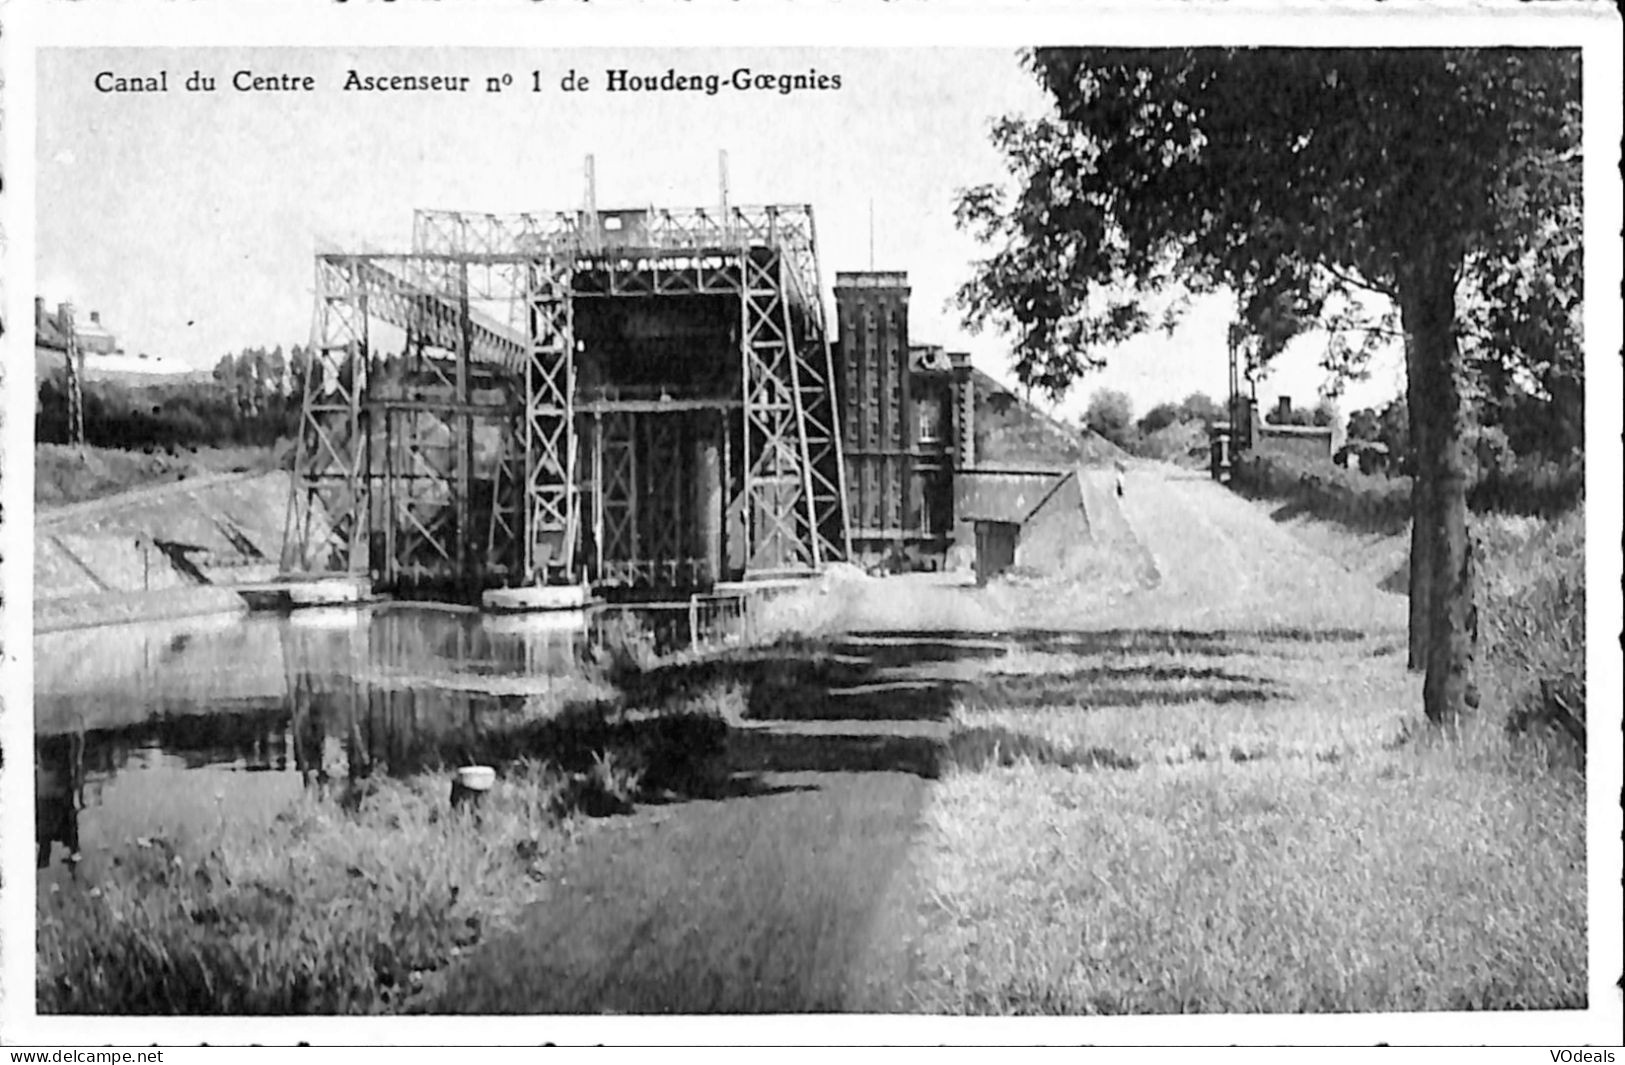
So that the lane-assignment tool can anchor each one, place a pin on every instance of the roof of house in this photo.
(1004, 495)
(48, 331)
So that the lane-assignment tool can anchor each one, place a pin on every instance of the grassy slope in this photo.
(1010, 432)
(66, 475)
(1233, 809)
(358, 897)
(1530, 571)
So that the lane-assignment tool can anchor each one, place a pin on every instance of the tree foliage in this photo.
(1111, 414)
(253, 398)
(1159, 417)
(1200, 407)
(1298, 179)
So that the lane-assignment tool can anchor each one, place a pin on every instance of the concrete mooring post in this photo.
(470, 784)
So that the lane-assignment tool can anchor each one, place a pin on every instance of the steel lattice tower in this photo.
(476, 456)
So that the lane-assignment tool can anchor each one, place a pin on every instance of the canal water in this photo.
(160, 729)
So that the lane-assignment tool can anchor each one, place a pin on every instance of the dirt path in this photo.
(776, 900)
(1222, 561)
(798, 895)
(752, 905)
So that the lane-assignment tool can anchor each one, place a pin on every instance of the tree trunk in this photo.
(1422, 566)
(1439, 411)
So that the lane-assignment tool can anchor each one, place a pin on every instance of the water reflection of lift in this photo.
(320, 659)
(398, 691)
(59, 796)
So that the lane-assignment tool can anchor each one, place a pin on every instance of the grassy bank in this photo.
(123, 608)
(1366, 502)
(1158, 820)
(1242, 824)
(359, 897)
(1530, 554)
(64, 474)
(1362, 502)
(1532, 615)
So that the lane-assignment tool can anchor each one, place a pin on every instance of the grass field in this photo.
(332, 911)
(1248, 825)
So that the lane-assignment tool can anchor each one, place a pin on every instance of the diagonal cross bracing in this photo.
(424, 295)
(549, 431)
(499, 292)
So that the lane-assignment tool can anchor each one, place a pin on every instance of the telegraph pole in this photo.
(76, 371)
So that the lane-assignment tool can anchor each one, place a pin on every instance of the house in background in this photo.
(103, 358)
(1317, 443)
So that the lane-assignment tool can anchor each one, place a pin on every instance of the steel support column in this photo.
(328, 507)
(550, 439)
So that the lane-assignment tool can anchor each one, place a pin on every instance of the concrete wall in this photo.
(1303, 442)
(1054, 529)
(999, 495)
(1049, 505)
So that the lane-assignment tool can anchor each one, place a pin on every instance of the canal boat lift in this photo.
(635, 400)
(539, 411)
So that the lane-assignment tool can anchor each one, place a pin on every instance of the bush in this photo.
(1363, 501)
(1532, 592)
(185, 414)
(1369, 502)
(1175, 441)
(1531, 485)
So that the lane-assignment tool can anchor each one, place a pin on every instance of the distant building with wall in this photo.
(95, 338)
(1314, 443)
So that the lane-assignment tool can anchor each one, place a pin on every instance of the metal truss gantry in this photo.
(391, 483)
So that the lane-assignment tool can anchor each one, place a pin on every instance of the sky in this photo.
(190, 220)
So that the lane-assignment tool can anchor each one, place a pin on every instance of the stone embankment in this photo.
(163, 551)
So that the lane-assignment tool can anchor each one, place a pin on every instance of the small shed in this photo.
(995, 547)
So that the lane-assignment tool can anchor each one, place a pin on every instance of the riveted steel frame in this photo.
(663, 486)
(415, 494)
(787, 478)
(615, 492)
(774, 455)
(328, 507)
(551, 511)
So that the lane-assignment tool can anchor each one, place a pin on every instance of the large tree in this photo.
(1296, 179)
